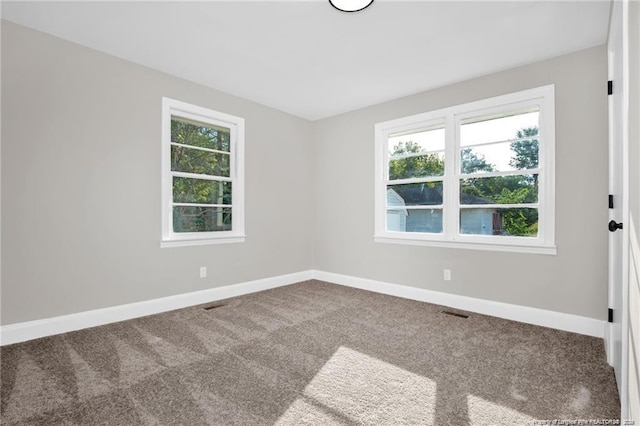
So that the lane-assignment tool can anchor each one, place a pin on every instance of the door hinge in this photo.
(610, 201)
(610, 87)
(610, 315)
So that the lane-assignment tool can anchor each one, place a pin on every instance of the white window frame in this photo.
(544, 243)
(173, 108)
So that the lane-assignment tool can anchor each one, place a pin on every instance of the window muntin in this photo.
(414, 185)
(493, 186)
(510, 194)
(492, 128)
(202, 188)
(418, 143)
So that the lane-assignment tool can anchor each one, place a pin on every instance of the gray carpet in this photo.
(310, 353)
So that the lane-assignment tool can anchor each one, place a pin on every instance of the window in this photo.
(478, 175)
(202, 175)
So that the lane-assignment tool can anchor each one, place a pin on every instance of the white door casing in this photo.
(616, 334)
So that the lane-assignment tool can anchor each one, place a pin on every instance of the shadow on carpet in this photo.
(310, 353)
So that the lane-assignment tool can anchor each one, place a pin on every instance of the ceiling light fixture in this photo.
(350, 5)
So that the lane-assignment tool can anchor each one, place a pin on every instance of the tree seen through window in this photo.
(406, 162)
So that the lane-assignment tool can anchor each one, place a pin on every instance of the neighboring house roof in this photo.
(423, 195)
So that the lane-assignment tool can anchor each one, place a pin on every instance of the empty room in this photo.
(318, 212)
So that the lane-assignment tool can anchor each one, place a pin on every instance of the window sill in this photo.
(202, 242)
(511, 248)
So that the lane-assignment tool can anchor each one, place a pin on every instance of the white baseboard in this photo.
(551, 319)
(14, 333)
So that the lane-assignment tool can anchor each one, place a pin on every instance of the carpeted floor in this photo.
(310, 353)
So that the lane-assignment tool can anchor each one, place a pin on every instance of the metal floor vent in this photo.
(214, 306)
(455, 314)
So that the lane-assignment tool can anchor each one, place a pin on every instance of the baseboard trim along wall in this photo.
(20, 332)
(551, 319)
(15, 333)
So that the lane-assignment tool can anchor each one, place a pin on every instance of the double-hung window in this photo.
(202, 175)
(478, 175)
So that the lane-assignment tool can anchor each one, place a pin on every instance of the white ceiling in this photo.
(308, 59)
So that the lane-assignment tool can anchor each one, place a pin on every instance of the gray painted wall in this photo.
(81, 193)
(574, 281)
(81, 184)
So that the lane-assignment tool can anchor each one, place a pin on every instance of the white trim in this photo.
(203, 241)
(199, 176)
(20, 332)
(514, 172)
(407, 181)
(626, 215)
(618, 296)
(543, 98)
(214, 151)
(170, 108)
(634, 249)
(633, 382)
(525, 314)
(414, 154)
(408, 239)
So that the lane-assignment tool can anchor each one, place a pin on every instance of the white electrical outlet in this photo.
(447, 274)
(203, 272)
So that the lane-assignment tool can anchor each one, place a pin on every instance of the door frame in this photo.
(618, 292)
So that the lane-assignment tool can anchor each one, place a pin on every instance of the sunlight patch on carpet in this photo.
(355, 387)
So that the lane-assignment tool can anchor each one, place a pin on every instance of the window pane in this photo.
(415, 194)
(420, 166)
(516, 189)
(200, 162)
(199, 134)
(186, 190)
(506, 222)
(498, 127)
(201, 219)
(416, 141)
(500, 157)
(414, 220)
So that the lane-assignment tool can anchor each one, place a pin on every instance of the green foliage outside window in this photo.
(414, 166)
(200, 162)
(511, 189)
